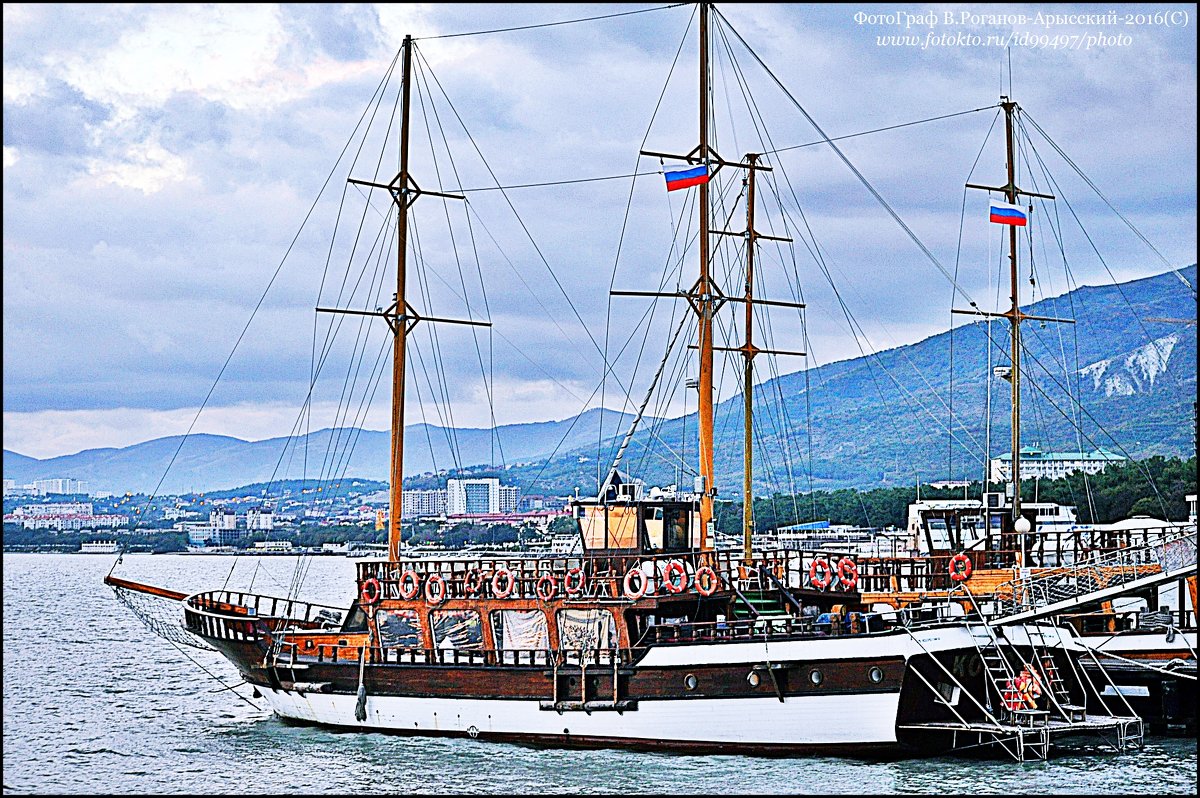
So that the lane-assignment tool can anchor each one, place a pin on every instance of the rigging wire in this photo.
(547, 24)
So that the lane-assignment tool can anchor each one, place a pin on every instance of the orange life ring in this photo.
(847, 573)
(960, 567)
(826, 576)
(473, 582)
(643, 583)
(435, 589)
(509, 583)
(410, 584)
(675, 567)
(547, 587)
(370, 592)
(706, 580)
(573, 588)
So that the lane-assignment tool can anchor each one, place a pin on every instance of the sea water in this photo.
(96, 703)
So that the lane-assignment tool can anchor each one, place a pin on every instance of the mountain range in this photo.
(889, 418)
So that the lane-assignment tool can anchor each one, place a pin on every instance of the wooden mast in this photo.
(748, 372)
(400, 330)
(705, 405)
(1014, 312)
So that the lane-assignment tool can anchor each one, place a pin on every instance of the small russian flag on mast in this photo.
(685, 175)
(1003, 213)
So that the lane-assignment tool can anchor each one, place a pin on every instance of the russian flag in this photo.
(685, 175)
(1003, 213)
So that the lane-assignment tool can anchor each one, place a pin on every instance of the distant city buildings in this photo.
(63, 517)
(46, 487)
(423, 503)
(1037, 464)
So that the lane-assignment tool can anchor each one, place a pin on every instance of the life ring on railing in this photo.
(410, 584)
(675, 567)
(547, 587)
(435, 589)
(509, 583)
(569, 584)
(370, 592)
(960, 567)
(473, 582)
(847, 573)
(706, 581)
(643, 583)
(826, 576)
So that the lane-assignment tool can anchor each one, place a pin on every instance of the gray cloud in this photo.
(143, 220)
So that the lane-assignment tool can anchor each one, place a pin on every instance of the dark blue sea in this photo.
(96, 704)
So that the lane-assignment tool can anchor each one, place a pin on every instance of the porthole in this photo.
(753, 678)
(876, 675)
(690, 682)
(816, 677)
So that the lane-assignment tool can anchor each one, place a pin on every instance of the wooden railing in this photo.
(234, 615)
(604, 574)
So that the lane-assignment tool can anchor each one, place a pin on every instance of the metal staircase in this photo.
(1056, 590)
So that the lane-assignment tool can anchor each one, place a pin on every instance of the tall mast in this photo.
(748, 373)
(401, 317)
(1014, 311)
(1014, 314)
(396, 503)
(395, 500)
(705, 286)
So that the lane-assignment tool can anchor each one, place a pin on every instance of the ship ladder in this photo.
(1000, 673)
(1053, 684)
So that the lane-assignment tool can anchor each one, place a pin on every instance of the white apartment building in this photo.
(473, 496)
(510, 498)
(423, 503)
(260, 519)
(47, 487)
(1036, 463)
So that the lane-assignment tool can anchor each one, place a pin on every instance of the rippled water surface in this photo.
(94, 703)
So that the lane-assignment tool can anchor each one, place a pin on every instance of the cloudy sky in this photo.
(160, 162)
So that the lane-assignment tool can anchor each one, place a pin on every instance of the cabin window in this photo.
(398, 628)
(586, 629)
(520, 630)
(457, 629)
(939, 536)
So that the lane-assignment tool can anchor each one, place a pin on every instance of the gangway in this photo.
(1061, 590)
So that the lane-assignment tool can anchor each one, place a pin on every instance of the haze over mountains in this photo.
(880, 420)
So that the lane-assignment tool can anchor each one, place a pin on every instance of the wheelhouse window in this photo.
(457, 629)
(399, 628)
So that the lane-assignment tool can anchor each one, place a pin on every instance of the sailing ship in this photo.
(648, 637)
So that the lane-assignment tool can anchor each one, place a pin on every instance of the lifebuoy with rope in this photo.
(960, 567)
(547, 587)
(410, 584)
(473, 582)
(673, 585)
(706, 580)
(370, 592)
(643, 583)
(504, 576)
(847, 573)
(435, 589)
(826, 573)
(574, 581)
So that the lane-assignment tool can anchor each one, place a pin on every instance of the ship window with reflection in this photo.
(457, 629)
(399, 628)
